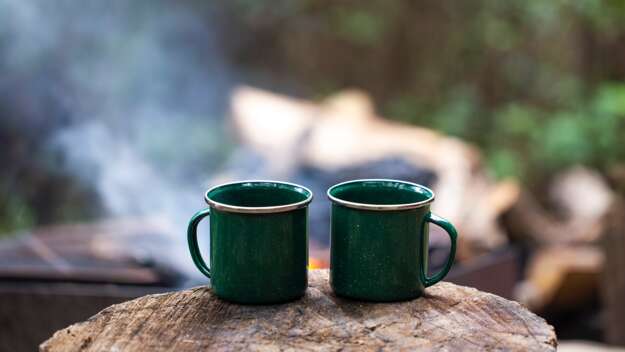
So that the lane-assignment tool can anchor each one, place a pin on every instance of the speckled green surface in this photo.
(382, 255)
(255, 258)
(259, 258)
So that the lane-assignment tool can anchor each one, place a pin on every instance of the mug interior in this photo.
(381, 193)
(255, 194)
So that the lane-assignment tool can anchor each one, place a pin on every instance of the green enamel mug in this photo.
(258, 241)
(379, 240)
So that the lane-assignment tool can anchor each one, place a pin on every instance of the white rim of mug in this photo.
(381, 207)
(259, 210)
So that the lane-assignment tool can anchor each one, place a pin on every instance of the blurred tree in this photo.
(537, 84)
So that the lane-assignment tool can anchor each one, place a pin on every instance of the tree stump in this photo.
(448, 317)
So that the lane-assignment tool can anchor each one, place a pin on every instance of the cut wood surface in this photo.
(448, 317)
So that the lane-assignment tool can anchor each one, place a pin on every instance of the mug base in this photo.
(382, 297)
(260, 301)
(377, 299)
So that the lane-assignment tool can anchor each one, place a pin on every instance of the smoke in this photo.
(138, 89)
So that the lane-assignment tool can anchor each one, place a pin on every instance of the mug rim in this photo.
(260, 210)
(381, 207)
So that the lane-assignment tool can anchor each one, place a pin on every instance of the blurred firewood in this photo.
(561, 277)
(344, 130)
(581, 198)
(565, 269)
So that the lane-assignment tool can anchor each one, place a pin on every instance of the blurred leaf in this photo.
(505, 163)
(456, 116)
(15, 213)
(544, 15)
(500, 34)
(562, 141)
(404, 108)
(360, 26)
(517, 121)
(610, 99)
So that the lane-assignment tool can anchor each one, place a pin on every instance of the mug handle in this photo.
(193, 245)
(453, 235)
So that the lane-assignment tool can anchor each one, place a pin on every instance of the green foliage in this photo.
(546, 103)
(527, 141)
(562, 140)
(607, 128)
(505, 163)
(457, 116)
(15, 213)
(360, 27)
(610, 100)
(590, 134)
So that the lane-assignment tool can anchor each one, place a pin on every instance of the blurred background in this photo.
(115, 116)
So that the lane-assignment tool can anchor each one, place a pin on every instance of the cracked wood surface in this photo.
(448, 317)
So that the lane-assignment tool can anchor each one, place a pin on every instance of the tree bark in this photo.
(448, 317)
(613, 278)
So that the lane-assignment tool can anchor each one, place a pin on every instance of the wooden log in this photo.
(561, 278)
(448, 317)
(581, 198)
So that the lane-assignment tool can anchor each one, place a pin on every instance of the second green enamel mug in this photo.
(379, 240)
(258, 241)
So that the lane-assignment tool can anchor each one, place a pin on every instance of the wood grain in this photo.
(449, 317)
